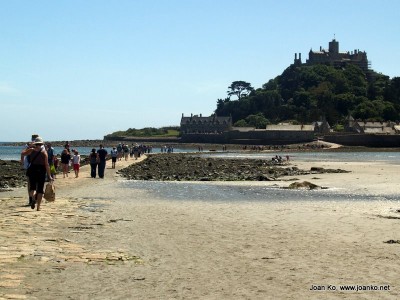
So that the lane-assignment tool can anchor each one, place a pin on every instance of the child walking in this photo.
(76, 159)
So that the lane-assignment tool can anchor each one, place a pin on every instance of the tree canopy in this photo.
(310, 93)
(239, 89)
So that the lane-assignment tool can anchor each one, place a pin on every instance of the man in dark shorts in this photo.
(102, 155)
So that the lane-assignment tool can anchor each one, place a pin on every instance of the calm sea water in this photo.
(256, 192)
(14, 153)
(248, 192)
(392, 157)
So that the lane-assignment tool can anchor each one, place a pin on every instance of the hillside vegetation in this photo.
(303, 94)
(171, 131)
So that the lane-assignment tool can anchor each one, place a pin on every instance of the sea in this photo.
(248, 191)
(259, 192)
(14, 152)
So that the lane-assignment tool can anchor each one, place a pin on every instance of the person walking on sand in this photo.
(119, 150)
(25, 159)
(76, 159)
(65, 159)
(50, 154)
(114, 155)
(39, 167)
(125, 148)
(93, 163)
(101, 157)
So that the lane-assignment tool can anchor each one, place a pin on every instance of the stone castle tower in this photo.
(334, 57)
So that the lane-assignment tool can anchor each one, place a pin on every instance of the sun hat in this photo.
(38, 141)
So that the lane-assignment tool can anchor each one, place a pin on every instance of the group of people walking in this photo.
(41, 163)
(125, 151)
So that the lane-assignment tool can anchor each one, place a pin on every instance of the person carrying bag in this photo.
(37, 170)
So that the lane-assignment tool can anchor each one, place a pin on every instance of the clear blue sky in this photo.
(82, 69)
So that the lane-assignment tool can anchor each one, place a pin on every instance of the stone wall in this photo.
(261, 137)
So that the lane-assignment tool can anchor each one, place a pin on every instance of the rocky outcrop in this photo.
(303, 185)
(190, 167)
(12, 175)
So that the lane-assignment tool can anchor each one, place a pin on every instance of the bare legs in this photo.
(35, 199)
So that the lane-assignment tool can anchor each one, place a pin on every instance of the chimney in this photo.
(200, 115)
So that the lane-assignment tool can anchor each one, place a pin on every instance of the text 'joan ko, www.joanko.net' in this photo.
(350, 287)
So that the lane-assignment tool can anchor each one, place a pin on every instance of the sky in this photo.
(77, 69)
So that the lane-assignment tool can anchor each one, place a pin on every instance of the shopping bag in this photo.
(50, 192)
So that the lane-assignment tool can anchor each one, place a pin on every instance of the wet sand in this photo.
(97, 241)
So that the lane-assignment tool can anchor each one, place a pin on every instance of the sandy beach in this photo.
(97, 241)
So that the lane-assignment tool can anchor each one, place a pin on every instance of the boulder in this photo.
(303, 185)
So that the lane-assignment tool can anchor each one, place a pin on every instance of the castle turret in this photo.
(297, 61)
(334, 46)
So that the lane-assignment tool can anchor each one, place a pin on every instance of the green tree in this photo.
(392, 93)
(240, 89)
(271, 85)
(377, 86)
(344, 103)
(357, 80)
(307, 93)
(241, 123)
(258, 121)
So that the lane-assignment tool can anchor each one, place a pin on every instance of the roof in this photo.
(203, 120)
(290, 127)
(386, 130)
(372, 124)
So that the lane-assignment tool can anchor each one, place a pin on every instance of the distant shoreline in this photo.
(312, 146)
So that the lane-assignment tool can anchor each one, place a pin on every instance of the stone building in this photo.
(321, 127)
(332, 56)
(209, 125)
(370, 127)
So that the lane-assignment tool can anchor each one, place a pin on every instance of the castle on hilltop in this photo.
(334, 57)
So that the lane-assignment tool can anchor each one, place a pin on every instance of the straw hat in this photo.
(38, 141)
